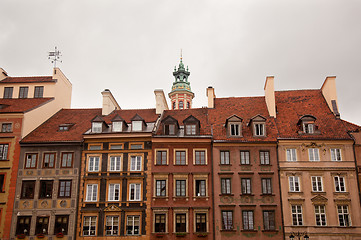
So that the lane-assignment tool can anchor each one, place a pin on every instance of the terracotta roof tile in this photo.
(28, 79)
(21, 105)
(351, 126)
(148, 115)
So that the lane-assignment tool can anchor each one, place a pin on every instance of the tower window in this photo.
(181, 105)
(188, 105)
(173, 105)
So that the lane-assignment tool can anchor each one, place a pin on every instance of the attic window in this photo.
(137, 126)
(234, 129)
(191, 129)
(117, 126)
(307, 125)
(169, 129)
(96, 127)
(65, 127)
(234, 126)
(259, 129)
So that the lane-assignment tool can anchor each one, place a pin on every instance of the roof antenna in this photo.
(181, 55)
(55, 56)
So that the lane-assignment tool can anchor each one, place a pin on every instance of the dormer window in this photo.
(258, 124)
(191, 129)
(191, 126)
(234, 129)
(117, 126)
(96, 127)
(308, 128)
(234, 126)
(137, 125)
(307, 125)
(259, 129)
(65, 127)
(169, 129)
(170, 126)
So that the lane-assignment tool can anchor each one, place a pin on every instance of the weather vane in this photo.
(55, 56)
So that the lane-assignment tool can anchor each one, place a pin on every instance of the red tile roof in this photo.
(28, 79)
(148, 115)
(21, 105)
(351, 126)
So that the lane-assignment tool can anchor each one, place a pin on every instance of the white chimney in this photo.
(109, 102)
(329, 93)
(211, 96)
(160, 101)
(269, 92)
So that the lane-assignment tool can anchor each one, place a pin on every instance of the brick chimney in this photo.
(160, 101)
(270, 96)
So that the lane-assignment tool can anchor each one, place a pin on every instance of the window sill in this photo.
(272, 231)
(246, 194)
(268, 194)
(158, 165)
(249, 230)
(226, 194)
(228, 165)
(228, 230)
(317, 193)
(341, 193)
(295, 192)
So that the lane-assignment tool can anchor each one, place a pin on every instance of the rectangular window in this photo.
(135, 163)
(225, 158)
(245, 158)
(225, 185)
(308, 127)
(180, 186)
(115, 163)
(200, 188)
(89, 226)
(91, 193)
(133, 225)
(234, 129)
(259, 129)
(264, 157)
(181, 222)
(266, 186)
(38, 92)
(113, 193)
(117, 126)
(200, 157)
(340, 184)
(336, 154)
(116, 146)
(269, 220)
(136, 146)
(27, 190)
(93, 164)
(4, 151)
(227, 220)
(95, 147)
(191, 129)
(61, 224)
(137, 125)
(294, 183)
(46, 189)
(23, 92)
(111, 225)
(134, 192)
(161, 188)
(23, 225)
(161, 158)
(64, 188)
(316, 184)
(320, 215)
(246, 186)
(297, 215)
(169, 129)
(49, 160)
(313, 154)
(42, 225)
(160, 223)
(291, 154)
(180, 157)
(30, 160)
(8, 92)
(247, 217)
(66, 160)
(2, 181)
(201, 222)
(6, 127)
(343, 216)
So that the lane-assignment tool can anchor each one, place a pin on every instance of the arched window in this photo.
(188, 105)
(181, 105)
(173, 105)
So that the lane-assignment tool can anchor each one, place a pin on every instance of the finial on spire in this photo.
(181, 55)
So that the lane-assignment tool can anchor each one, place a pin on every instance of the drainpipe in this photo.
(280, 189)
(214, 224)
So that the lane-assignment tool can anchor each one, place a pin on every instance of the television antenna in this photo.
(55, 56)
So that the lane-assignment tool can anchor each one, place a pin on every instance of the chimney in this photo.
(160, 101)
(211, 96)
(109, 102)
(329, 93)
(269, 92)
(3, 74)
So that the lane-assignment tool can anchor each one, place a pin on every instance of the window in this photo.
(111, 225)
(135, 163)
(173, 105)
(160, 223)
(49, 160)
(64, 127)
(248, 222)
(269, 220)
(340, 184)
(117, 127)
(343, 216)
(266, 186)
(134, 192)
(113, 193)
(30, 160)
(137, 125)
(264, 157)
(297, 215)
(91, 193)
(116, 146)
(161, 188)
(2, 181)
(316, 184)
(246, 186)
(114, 162)
(181, 105)
(320, 215)
(181, 188)
(227, 220)
(225, 185)
(42, 224)
(180, 157)
(136, 146)
(23, 225)
(234, 129)
(46, 189)
(291, 155)
(225, 158)
(161, 158)
(66, 160)
(38, 92)
(6, 127)
(191, 129)
(8, 92)
(294, 183)
(95, 147)
(97, 127)
(61, 224)
(133, 225)
(313, 154)
(200, 157)
(188, 105)
(259, 129)
(169, 129)
(4, 151)
(336, 154)
(23, 92)
(245, 157)
(181, 222)
(89, 226)
(64, 188)
(308, 128)
(200, 188)
(93, 164)
(201, 222)
(27, 190)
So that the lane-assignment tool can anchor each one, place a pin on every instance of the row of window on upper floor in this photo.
(49, 160)
(23, 92)
(317, 183)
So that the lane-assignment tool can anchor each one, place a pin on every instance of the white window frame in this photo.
(225, 157)
(135, 163)
(294, 183)
(226, 186)
(133, 224)
(309, 128)
(266, 185)
(340, 183)
(296, 211)
(137, 188)
(97, 127)
(93, 163)
(336, 154)
(259, 129)
(245, 157)
(291, 154)
(314, 154)
(92, 223)
(115, 163)
(117, 126)
(181, 190)
(320, 215)
(246, 185)
(317, 183)
(159, 192)
(248, 220)
(113, 222)
(91, 193)
(344, 214)
(264, 157)
(112, 190)
(191, 129)
(137, 126)
(234, 129)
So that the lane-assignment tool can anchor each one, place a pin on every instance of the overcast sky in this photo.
(131, 47)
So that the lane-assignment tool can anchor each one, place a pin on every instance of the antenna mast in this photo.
(55, 56)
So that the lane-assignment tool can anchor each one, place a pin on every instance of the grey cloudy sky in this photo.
(132, 46)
